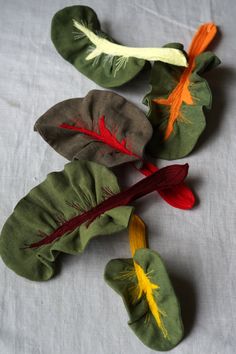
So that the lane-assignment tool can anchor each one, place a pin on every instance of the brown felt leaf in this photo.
(102, 127)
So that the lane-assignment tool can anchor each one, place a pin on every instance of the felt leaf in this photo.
(77, 36)
(165, 178)
(49, 210)
(177, 98)
(68, 209)
(149, 298)
(103, 127)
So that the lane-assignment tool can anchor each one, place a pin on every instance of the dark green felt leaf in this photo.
(62, 196)
(190, 121)
(120, 274)
(107, 71)
(102, 127)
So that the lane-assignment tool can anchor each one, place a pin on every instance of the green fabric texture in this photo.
(47, 206)
(105, 70)
(123, 121)
(190, 122)
(120, 275)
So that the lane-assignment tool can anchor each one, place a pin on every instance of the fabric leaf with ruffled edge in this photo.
(77, 36)
(177, 98)
(63, 195)
(68, 209)
(104, 127)
(146, 290)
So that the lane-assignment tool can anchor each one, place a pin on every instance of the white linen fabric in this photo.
(76, 312)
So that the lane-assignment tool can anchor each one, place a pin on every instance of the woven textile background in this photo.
(76, 312)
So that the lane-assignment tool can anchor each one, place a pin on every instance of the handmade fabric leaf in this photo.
(105, 128)
(149, 298)
(77, 36)
(177, 99)
(39, 228)
(68, 209)
(146, 290)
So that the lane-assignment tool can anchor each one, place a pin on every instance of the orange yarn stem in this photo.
(181, 93)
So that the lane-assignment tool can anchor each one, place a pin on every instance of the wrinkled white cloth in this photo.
(76, 312)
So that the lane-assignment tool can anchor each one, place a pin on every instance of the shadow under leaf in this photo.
(217, 80)
(186, 294)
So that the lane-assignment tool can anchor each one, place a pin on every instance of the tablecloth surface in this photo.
(76, 312)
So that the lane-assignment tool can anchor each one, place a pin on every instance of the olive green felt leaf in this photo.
(42, 224)
(77, 36)
(177, 98)
(149, 298)
(102, 127)
(178, 122)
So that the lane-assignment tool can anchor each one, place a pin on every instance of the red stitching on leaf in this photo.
(180, 196)
(104, 135)
(162, 179)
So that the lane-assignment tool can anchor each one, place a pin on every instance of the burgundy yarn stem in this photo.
(162, 179)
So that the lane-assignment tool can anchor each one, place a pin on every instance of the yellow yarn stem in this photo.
(137, 239)
(137, 234)
(145, 286)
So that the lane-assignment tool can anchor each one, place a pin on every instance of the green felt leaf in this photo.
(122, 276)
(190, 120)
(62, 196)
(102, 127)
(74, 46)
